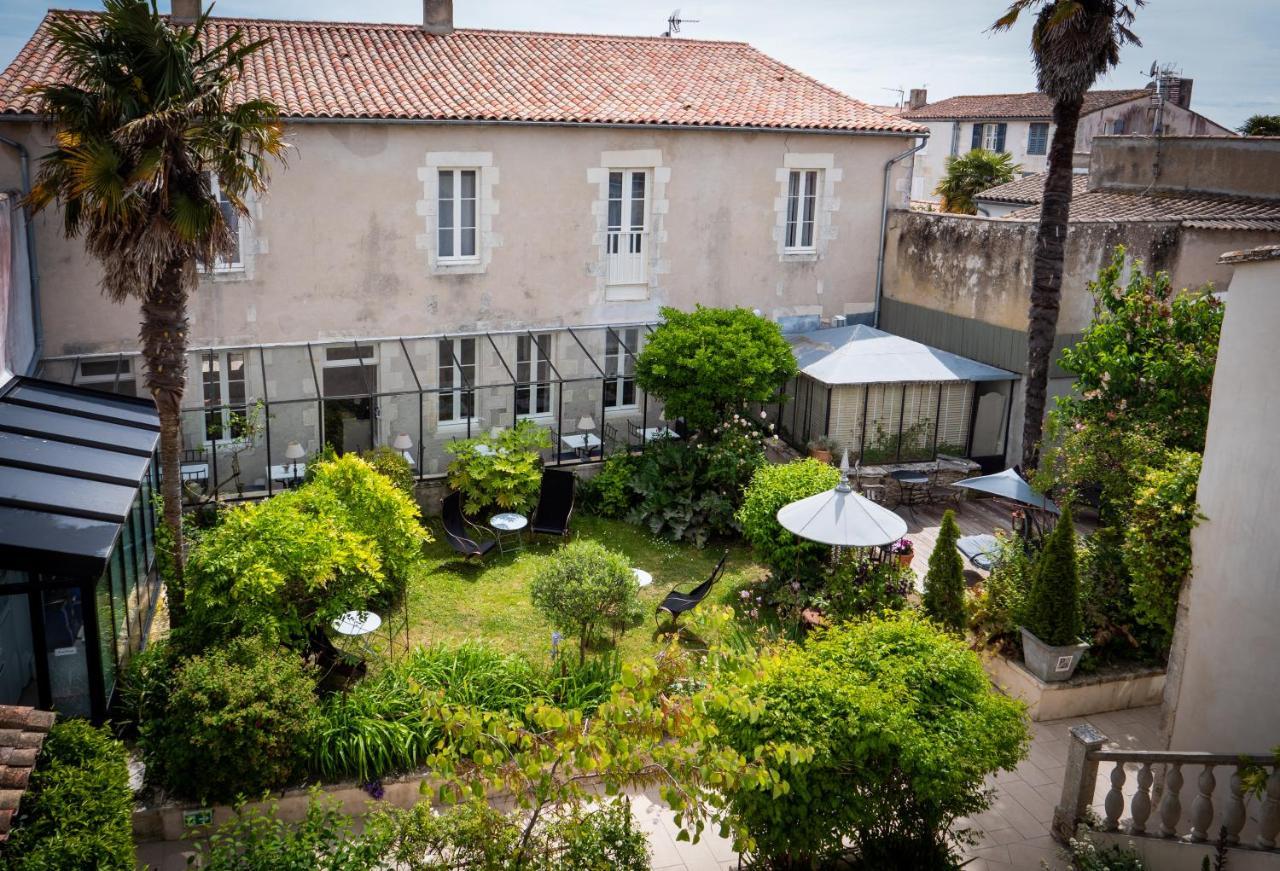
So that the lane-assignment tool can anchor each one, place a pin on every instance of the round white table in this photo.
(643, 578)
(509, 525)
(357, 623)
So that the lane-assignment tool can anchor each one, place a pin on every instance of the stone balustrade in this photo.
(1157, 810)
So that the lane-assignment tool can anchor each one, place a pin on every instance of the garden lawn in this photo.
(451, 600)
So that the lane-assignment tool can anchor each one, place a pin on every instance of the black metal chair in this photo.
(612, 442)
(458, 534)
(635, 435)
(677, 603)
(555, 502)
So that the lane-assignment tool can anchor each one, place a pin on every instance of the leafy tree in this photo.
(78, 809)
(1261, 125)
(146, 116)
(583, 589)
(389, 462)
(503, 470)
(902, 726)
(970, 174)
(1072, 43)
(708, 363)
(944, 582)
(239, 719)
(772, 487)
(1053, 606)
(1147, 359)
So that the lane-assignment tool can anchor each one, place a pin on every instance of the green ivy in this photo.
(712, 362)
(503, 471)
(77, 813)
(772, 487)
(1157, 541)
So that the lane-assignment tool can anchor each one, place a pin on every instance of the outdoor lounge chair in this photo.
(555, 502)
(456, 530)
(676, 602)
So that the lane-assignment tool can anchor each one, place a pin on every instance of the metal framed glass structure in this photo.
(254, 414)
(77, 542)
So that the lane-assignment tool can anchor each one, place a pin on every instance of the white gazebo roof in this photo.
(864, 355)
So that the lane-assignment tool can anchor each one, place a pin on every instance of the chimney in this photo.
(919, 96)
(1183, 97)
(437, 16)
(184, 11)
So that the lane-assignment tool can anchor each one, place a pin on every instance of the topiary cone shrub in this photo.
(1053, 606)
(944, 581)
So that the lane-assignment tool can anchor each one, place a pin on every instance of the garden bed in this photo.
(1112, 689)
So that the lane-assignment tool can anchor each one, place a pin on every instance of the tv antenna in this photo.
(674, 22)
(899, 91)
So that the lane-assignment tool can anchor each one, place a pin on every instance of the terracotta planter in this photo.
(818, 454)
(904, 559)
(1049, 662)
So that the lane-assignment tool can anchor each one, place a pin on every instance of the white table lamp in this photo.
(404, 445)
(294, 451)
(585, 423)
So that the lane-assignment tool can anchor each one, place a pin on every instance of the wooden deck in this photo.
(975, 517)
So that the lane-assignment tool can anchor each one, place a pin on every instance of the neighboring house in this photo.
(1005, 199)
(962, 283)
(1022, 125)
(475, 194)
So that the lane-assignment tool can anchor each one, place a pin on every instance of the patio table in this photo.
(981, 550)
(581, 443)
(643, 578)
(914, 487)
(288, 474)
(195, 471)
(358, 624)
(653, 433)
(508, 525)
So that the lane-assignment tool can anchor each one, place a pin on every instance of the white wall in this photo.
(1223, 693)
(17, 335)
(931, 164)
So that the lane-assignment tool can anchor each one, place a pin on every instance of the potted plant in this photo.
(903, 551)
(1051, 645)
(822, 448)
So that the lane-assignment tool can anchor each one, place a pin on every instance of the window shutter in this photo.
(1001, 129)
(977, 137)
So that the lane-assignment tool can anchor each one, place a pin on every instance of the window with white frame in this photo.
(626, 240)
(802, 209)
(620, 367)
(456, 216)
(110, 375)
(991, 137)
(232, 218)
(533, 374)
(457, 370)
(225, 404)
(1038, 138)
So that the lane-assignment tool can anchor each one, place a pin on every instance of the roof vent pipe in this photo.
(437, 16)
(184, 11)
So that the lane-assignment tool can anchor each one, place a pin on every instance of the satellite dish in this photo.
(1154, 69)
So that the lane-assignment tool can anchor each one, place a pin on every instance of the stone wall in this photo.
(1219, 165)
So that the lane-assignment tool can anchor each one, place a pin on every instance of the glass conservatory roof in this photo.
(71, 461)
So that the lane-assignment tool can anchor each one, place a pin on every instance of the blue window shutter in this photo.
(977, 136)
(1001, 129)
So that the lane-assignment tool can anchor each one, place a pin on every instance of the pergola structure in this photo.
(253, 414)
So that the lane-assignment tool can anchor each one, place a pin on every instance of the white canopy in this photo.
(863, 355)
(842, 518)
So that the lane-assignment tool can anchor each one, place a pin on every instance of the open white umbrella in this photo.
(842, 518)
(1009, 485)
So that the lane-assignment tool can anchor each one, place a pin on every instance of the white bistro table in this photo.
(643, 578)
(581, 443)
(509, 525)
(195, 471)
(358, 624)
(288, 474)
(653, 433)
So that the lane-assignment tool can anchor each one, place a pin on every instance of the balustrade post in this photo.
(1141, 806)
(1233, 819)
(1078, 781)
(1269, 819)
(1170, 803)
(1114, 802)
(1202, 806)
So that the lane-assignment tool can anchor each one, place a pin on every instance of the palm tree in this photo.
(970, 174)
(1261, 125)
(144, 120)
(1072, 43)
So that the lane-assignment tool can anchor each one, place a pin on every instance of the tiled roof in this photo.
(315, 69)
(1106, 206)
(1249, 255)
(22, 731)
(1029, 189)
(1034, 105)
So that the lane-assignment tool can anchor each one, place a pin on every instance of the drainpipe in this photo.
(37, 324)
(884, 225)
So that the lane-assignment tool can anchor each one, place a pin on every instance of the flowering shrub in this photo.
(848, 590)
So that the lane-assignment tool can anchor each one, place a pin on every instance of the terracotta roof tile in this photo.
(1029, 189)
(1100, 206)
(1033, 105)
(381, 71)
(22, 730)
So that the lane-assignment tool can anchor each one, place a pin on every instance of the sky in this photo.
(866, 49)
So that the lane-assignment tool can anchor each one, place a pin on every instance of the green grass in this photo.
(451, 600)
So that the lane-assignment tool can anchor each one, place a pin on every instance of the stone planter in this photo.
(1048, 662)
